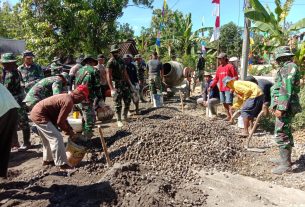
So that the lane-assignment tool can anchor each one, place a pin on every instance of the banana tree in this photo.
(273, 23)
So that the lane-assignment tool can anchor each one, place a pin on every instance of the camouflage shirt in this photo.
(56, 69)
(141, 70)
(44, 89)
(285, 91)
(30, 75)
(87, 75)
(12, 80)
(117, 65)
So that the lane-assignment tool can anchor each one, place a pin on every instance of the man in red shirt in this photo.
(48, 115)
(224, 69)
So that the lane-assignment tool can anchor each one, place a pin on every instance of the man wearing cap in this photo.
(250, 98)
(45, 88)
(200, 70)
(56, 67)
(51, 113)
(285, 105)
(74, 70)
(101, 75)
(226, 96)
(31, 72)
(209, 99)
(87, 75)
(117, 73)
(141, 66)
(155, 73)
(133, 76)
(12, 80)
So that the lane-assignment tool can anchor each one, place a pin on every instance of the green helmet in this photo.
(65, 75)
(8, 58)
(282, 51)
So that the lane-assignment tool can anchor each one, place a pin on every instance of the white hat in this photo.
(233, 59)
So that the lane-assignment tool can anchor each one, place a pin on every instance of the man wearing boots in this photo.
(87, 76)
(12, 80)
(116, 72)
(284, 104)
(141, 66)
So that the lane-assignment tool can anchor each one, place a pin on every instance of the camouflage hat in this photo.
(8, 58)
(114, 48)
(137, 56)
(282, 51)
(65, 75)
(125, 56)
(100, 56)
(55, 59)
(222, 55)
(227, 79)
(89, 58)
(28, 53)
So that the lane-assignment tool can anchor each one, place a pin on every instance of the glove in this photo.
(114, 93)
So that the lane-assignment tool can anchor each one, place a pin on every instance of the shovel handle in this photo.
(104, 146)
(254, 128)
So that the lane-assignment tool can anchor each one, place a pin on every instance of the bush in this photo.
(263, 71)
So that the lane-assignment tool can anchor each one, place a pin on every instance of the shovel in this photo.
(104, 146)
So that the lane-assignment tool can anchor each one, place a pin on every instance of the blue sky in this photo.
(230, 10)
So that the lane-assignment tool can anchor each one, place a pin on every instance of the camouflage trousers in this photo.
(124, 94)
(155, 83)
(23, 121)
(88, 115)
(283, 134)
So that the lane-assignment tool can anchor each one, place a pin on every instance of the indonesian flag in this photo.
(216, 32)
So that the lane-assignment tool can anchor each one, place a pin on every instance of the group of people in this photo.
(251, 94)
(50, 100)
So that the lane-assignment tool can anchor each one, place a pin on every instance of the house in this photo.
(128, 47)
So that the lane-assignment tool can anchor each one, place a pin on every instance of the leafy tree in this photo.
(230, 39)
(125, 32)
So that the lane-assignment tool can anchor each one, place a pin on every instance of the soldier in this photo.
(285, 104)
(155, 72)
(31, 72)
(46, 88)
(56, 67)
(116, 72)
(133, 77)
(141, 66)
(12, 81)
(87, 76)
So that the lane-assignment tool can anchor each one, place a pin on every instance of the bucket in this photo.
(240, 122)
(76, 124)
(75, 153)
(157, 100)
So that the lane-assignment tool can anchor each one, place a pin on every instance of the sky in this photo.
(230, 10)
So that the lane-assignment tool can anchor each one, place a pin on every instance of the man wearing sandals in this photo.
(51, 113)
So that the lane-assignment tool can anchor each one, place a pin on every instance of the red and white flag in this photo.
(216, 32)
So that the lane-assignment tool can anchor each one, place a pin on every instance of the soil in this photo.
(163, 157)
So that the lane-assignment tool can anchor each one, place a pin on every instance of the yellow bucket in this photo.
(75, 153)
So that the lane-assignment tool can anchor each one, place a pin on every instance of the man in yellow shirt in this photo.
(250, 99)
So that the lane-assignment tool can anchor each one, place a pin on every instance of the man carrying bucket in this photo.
(51, 113)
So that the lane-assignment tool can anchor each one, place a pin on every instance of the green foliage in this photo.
(260, 71)
(230, 40)
(189, 61)
(299, 119)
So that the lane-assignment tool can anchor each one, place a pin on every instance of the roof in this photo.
(128, 47)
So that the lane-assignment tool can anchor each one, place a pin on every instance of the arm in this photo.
(215, 80)
(127, 77)
(62, 118)
(205, 92)
(109, 78)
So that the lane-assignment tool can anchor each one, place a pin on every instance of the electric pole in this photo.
(246, 45)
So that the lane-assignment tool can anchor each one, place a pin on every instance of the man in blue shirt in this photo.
(209, 99)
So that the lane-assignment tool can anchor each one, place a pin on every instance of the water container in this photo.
(240, 122)
(75, 153)
(76, 124)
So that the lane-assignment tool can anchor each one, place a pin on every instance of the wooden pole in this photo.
(104, 146)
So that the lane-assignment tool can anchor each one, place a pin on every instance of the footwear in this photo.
(277, 161)
(48, 163)
(285, 163)
(125, 115)
(243, 135)
(66, 168)
(120, 124)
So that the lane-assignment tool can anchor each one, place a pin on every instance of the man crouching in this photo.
(51, 113)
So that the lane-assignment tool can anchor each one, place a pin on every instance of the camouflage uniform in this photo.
(284, 97)
(44, 89)
(141, 70)
(87, 76)
(12, 81)
(56, 69)
(120, 84)
(30, 75)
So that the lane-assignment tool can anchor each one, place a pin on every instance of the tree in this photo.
(125, 32)
(274, 23)
(230, 39)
